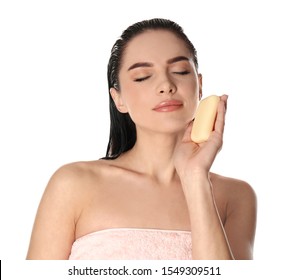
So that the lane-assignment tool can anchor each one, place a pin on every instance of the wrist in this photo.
(194, 175)
(196, 184)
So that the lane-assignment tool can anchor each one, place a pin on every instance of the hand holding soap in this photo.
(204, 119)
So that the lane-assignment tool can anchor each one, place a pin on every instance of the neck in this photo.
(153, 153)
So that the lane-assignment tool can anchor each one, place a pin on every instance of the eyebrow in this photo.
(176, 59)
(140, 64)
(148, 64)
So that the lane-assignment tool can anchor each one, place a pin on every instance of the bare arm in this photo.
(209, 236)
(212, 239)
(209, 239)
(54, 227)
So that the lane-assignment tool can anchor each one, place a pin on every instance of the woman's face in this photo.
(159, 85)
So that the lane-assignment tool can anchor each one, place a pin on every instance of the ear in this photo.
(200, 85)
(117, 98)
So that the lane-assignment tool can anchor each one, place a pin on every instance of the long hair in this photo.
(122, 129)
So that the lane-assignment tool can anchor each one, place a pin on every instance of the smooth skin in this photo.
(164, 181)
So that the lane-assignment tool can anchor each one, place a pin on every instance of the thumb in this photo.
(187, 133)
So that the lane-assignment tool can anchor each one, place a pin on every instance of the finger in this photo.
(221, 111)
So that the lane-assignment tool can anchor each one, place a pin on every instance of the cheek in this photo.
(192, 97)
(194, 85)
(133, 96)
(191, 88)
(136, 102)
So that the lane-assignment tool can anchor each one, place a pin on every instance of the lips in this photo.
(168, 106)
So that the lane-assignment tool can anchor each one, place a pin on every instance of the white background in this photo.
(54, 98)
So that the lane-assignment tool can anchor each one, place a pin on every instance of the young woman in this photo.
(153, 195)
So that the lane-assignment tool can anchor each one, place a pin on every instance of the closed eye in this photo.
(182, 72)
(141, 79)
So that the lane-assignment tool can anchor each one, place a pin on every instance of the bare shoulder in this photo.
(76, 181)
(233, 189)
(73, 171)
(73, 176)
(66, 181)
(60, 208)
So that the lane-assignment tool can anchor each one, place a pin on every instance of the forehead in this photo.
(154, 45)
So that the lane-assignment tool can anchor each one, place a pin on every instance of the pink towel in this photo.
(133, 244)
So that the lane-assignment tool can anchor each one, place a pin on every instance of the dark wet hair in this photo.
(122, 129)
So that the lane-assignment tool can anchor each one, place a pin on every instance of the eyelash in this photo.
(182, 73)
(145, 78)
(141, 79)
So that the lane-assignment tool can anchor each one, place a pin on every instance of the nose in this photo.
(166, 87)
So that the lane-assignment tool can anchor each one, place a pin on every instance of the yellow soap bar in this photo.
(204, 118)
